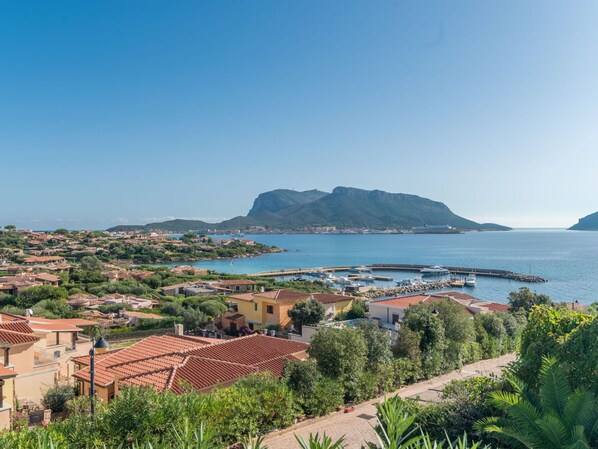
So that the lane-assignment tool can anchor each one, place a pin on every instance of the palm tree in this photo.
(554, 417)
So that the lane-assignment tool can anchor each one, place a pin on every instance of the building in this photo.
(237, 285)
(271, 308)
(389, 312)
(176, 362)
(38, 351)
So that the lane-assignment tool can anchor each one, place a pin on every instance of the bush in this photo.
(328, 396)
(56, 397)
(212, 308)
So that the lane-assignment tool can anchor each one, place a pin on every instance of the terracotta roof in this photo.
(6, 373)
(199, 362)
(243, 297)
(84, 359)
(202, 373)
(496, 307)
(147, 349)
(329, 298)
(11, 338)
(402, 302)
(283, 294)
(250, 350)
(16, 326)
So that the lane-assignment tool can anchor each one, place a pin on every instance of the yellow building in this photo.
(271, 308)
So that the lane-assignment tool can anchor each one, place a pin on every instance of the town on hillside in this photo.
(84, 324)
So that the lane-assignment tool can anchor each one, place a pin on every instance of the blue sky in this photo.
(134, 111)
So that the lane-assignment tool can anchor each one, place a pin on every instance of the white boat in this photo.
(471, 280)
(360, 269)
(343, 281)
(329, 282)
(316, 272)
(366, 278)
(410, 282)
(436, 270)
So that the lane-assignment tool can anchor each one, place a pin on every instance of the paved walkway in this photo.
(357, 426)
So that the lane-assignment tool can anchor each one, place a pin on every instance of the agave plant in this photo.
(325, 442)
(555, 417)
(396, 430)
(250, 442)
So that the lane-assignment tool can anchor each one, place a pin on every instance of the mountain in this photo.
(587, 223)
(344, 208)
(277, 200)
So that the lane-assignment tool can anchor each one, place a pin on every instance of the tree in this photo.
(90, 264)
(526, 299)
(189, 237)
(407, 344)
(194, 320)
(378, 344)
(560, 333)
(61, 231)
(308, 312)
(419, 318)
(340, 353)
(212, 307)
(173, 309)
(10, 227)
(32, 295)
(553, 417)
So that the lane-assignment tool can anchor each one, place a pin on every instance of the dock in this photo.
(415, 268)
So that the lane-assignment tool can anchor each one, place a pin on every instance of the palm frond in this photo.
(554, 389)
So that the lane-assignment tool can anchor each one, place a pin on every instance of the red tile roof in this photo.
(16, 326)
(201, 373)
(6, 373)
(283, 294)
(173, 361)
(329, 298)
(11, 338)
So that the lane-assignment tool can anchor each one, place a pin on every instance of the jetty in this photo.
(482, 272)
(406, 289)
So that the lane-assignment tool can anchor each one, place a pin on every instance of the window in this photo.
(270, 309)
(395, 318)
(237, 288)
(255, 307)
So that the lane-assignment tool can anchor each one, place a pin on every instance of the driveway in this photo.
(357, 426)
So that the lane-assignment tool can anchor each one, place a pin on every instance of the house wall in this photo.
(248, 309)
(5, 413)
(32, 385)
(102, 394)
(384, 313)
(22, 358)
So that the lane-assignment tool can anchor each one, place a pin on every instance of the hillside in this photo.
(277, 200)
(344, 208)
(587, 223)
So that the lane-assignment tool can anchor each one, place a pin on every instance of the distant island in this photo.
(346, 209)
(587, 223)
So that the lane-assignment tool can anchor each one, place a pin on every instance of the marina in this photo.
(437, 270)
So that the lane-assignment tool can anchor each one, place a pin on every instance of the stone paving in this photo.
(357, 425)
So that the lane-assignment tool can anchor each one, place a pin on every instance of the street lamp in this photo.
(101, 345)
(434, 312)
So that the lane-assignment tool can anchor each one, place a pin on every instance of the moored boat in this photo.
(436, 270)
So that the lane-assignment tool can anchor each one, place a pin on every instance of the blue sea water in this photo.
(568, 259)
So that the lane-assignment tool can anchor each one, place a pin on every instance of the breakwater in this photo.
(406, 289)
(495, 273)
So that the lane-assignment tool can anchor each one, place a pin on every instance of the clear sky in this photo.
(134, 111)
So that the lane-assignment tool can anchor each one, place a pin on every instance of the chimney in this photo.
(179, 329)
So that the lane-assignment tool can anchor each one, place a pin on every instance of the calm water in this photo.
(568, 259)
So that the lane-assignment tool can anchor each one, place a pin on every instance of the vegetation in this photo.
(309, 312)
(553, 416)
(57, 396)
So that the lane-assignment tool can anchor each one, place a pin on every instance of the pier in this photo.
(415, 268)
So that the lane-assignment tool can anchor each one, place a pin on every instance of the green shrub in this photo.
(56, 397)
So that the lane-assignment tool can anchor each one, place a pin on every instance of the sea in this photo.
(567, 259)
